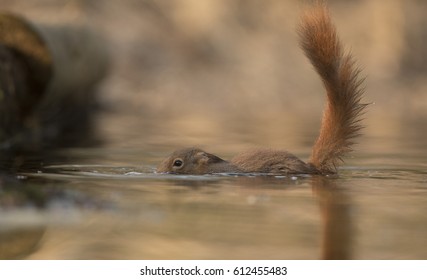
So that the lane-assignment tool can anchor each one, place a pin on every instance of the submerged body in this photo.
(340, 122)
(265, 161)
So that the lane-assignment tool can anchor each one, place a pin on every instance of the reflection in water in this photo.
(170, 217)
(166, 91)
(19, 233)
(19, 243)
(336, 219)
(111, 210)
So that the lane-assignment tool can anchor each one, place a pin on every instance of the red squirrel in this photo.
(340, 122)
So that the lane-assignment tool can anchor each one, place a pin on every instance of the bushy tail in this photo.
(340, 76)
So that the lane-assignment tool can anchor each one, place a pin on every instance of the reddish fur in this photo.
(340, 122)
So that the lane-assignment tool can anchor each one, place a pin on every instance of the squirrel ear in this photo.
(204, 158)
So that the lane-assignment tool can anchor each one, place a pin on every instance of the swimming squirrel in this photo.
(340, 122)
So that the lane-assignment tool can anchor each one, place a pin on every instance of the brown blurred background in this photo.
(227, 74)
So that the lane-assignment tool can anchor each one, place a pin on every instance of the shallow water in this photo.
(229, 79)
(109, 204)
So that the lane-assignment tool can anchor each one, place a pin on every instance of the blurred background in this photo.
(225, 74)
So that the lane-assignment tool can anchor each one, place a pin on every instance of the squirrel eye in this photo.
(178, 163)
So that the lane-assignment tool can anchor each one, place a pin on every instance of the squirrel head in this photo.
(190, 161)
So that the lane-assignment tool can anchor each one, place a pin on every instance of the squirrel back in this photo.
(340, 123)
(341, 79)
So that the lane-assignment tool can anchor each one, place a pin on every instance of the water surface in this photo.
(109, 204)
(227, 77)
